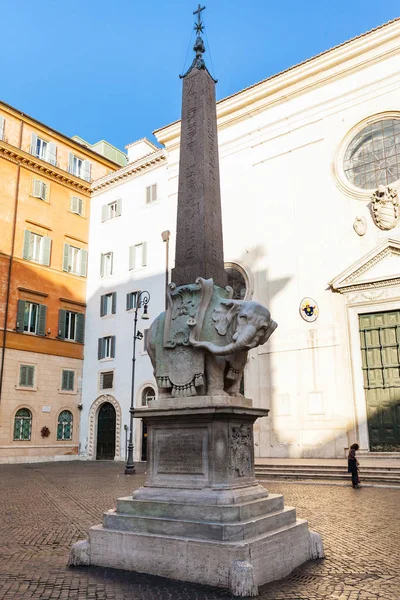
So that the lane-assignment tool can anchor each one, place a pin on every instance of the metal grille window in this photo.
(148, 395)
(107, 380)
(27, 376)
(23, 424)
(64, 427)
(373, 156)
(68, 381)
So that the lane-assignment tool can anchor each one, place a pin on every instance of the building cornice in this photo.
(135, 168)
(302, 77)
(58, 135)
(18, 156)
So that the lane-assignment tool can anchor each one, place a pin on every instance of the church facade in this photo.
(310, 170)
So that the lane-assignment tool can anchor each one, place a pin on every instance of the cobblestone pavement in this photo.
(47, 507)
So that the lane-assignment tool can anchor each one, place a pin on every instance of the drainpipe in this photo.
(10, 267)
(165, 238)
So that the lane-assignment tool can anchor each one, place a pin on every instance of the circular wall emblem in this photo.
(309, 309)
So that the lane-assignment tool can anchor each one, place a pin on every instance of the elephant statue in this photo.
(199, 345)
(243, 325)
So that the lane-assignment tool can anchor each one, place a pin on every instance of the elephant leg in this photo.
(233, 387)
(233, 380)
(215, 367)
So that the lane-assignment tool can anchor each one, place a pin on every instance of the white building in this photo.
(301, 155)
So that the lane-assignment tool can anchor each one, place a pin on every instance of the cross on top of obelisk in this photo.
(199, 27)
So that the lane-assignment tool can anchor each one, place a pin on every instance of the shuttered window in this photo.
(43, 149)
(40, 189)
(75, 260)
(108, 304)
(71, 326)
(107, 380)
(138, 256)
(106, 264)
(79, 167)
(31, 317)
(106, 347)
(131, 299)
(27, 376)
(111, 210)
(36, 248)
(77, 205)
(23, 424)
(68, 380)
(151, 194)
(2, 123)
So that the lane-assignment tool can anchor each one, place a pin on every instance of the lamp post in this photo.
(142, 300)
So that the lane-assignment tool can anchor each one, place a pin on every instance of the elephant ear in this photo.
(224, 314)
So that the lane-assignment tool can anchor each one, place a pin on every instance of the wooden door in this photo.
(106, 432)
(380, 348)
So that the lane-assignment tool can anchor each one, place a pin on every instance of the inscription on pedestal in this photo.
(181, 453)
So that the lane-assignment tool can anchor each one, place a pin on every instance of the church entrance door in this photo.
(106, 432)
(380, 349)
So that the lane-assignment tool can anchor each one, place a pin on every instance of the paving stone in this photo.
(45, 508)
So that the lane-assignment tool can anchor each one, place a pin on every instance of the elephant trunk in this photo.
(243, 342)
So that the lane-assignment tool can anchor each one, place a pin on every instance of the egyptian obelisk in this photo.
(199, 241)
(201, 515)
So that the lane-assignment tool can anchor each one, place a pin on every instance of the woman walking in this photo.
(353, 465)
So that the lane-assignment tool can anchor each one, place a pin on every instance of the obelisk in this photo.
(199, 242)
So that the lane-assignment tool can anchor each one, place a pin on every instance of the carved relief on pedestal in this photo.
(385, 207)
(241, 451)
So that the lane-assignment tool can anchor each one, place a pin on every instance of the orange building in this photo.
(45, 180)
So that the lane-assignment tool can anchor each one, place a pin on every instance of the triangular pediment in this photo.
(380, 267)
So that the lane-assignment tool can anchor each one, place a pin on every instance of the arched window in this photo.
(148, 395)
(237, 282)
(23, 424)
(64, 426)
(373, 156)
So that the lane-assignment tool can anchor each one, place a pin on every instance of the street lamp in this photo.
(142, 300)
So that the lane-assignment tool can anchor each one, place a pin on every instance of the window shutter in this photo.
(42, 319)
(83, 263)
(37, 188)
(80, 327)
(86, 165)
(34, 139)
(70, 162)
(80, 207)
(20, 315)
(30, 375)
(113, 346)
(101, 265)
(46, 248)
(102, 301)
(65, 257)
(114, 303)
(129, 301)
(148, 195)
(74, 204)
(61, 323)
(45, 191)
(104, 213)
(27, 241)
(112, 262)
(100, 349)
(154, 192)
(23, 375)
(144, 254)
(2, 121)
(71, 382)
(65, 380)
(119, 206)
(132, 252)
(52, 153)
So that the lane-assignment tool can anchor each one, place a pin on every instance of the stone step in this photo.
(238, 531)
(336, 471)
(225, 513)
(341, 468)
(388, 479)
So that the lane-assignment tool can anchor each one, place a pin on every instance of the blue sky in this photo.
(102, 69)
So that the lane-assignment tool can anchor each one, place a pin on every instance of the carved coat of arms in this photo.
(385, 207)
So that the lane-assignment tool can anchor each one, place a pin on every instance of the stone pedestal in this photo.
(201, 516)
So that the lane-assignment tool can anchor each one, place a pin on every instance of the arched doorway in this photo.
(106, 428)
